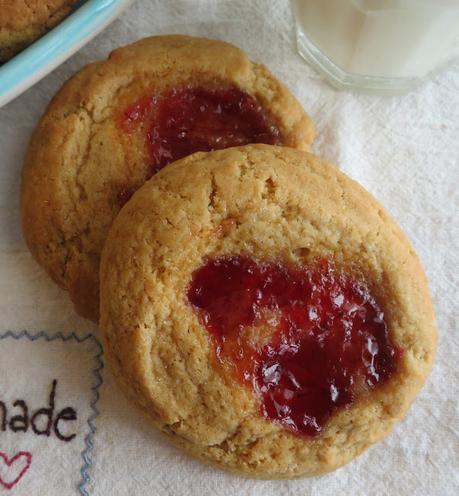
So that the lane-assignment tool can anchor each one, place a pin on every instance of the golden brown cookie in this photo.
(117, 122)
(22, 22)
(265, 311)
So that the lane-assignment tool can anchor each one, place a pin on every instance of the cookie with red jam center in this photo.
(117, 123)
(265, 311)
(327, 339)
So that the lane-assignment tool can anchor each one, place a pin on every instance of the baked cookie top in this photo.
(265, 311)
(117, 122)
(22, 22)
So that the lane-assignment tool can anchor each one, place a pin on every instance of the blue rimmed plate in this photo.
(40, 58)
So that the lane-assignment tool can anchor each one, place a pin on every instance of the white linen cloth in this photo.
(404, 149)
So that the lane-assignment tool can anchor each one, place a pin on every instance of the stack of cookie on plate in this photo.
(261, 307)
(22, 22)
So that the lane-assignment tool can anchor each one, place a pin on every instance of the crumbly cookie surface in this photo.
(22, 22)
(263, 202)
(80, 160)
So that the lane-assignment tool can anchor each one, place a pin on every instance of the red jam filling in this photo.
(309, 339)
(182, 121)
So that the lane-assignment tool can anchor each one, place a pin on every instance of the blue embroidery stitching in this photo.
(89, 442)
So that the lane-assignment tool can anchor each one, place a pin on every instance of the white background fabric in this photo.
(405, 150)
(29, 364)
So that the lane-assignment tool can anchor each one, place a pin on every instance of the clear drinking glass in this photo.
(384, 46)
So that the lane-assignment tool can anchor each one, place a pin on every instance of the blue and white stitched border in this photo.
(89, 442)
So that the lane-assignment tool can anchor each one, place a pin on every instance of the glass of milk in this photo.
(384, 46)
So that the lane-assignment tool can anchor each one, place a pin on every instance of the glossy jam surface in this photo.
(308, 339)
(182, 121)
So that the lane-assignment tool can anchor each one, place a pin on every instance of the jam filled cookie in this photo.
(117, 122)
(265, 311)
(22, 22)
